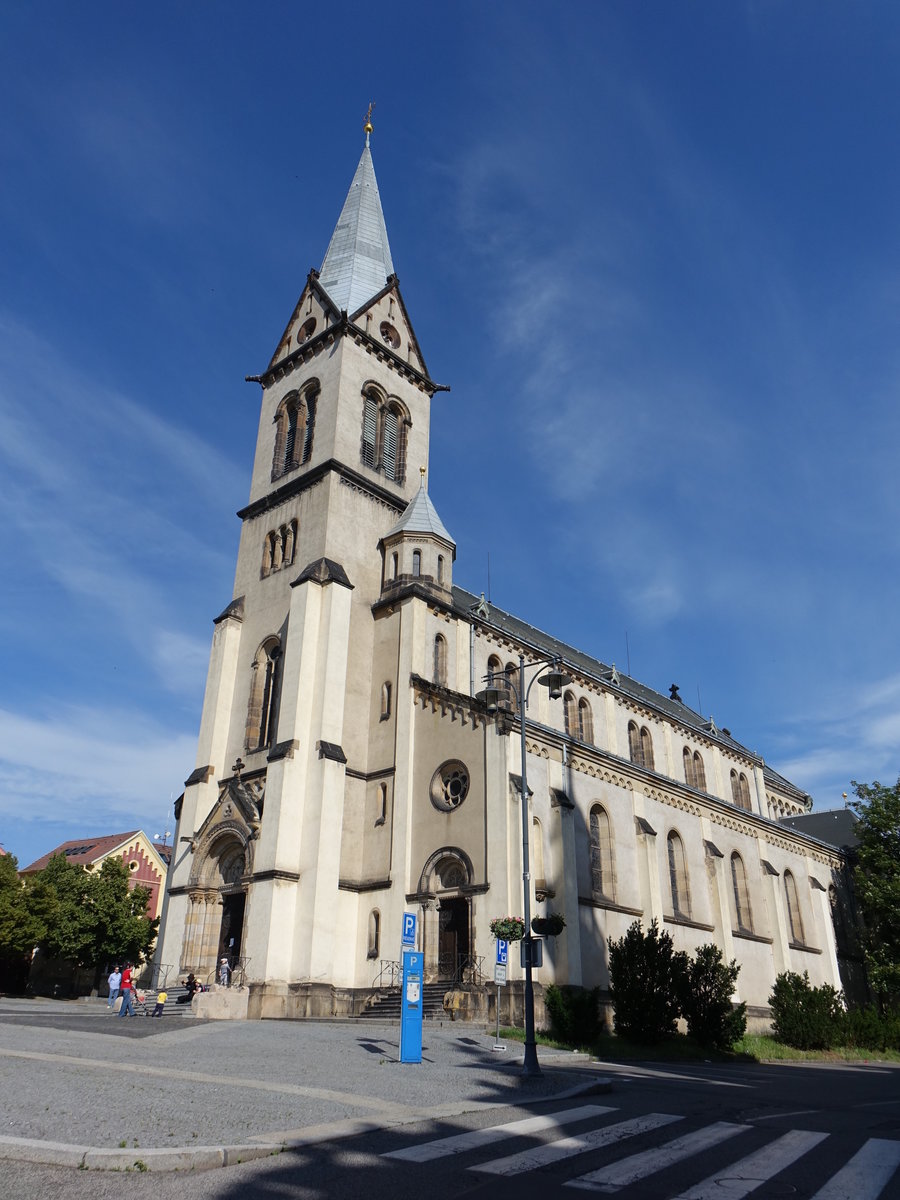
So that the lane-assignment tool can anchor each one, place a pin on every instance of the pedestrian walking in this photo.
(127, 1009)
(160, 1004)
(115, 982)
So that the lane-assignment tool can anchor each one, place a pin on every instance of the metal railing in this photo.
(462, 969)
(238, 974)
(390, 974)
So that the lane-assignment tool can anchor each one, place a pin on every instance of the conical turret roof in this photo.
(420, 516)
(358, 260)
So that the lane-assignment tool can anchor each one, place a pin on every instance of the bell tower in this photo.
(343, 433)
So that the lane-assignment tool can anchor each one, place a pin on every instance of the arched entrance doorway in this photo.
(445, 888)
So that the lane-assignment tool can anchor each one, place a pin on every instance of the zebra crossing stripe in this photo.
(476, 1138)
(639, 1166)
(863, 1177)
(743, 1177)
(541, 1156)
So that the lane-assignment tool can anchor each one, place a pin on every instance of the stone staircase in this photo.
(386, 1005)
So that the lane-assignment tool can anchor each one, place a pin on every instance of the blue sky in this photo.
(653, 249)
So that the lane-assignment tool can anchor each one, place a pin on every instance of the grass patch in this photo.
(751, 1048)
(766, 1049)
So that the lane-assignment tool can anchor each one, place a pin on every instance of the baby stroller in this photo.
(140, 1002)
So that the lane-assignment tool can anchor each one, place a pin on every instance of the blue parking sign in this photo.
(502, 951)
(409, 930)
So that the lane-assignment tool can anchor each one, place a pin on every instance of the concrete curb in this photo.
(204, 1158)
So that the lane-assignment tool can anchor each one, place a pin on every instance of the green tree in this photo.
(26, 908)
(98, 918)
(877, 880)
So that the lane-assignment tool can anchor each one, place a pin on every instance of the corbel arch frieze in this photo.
(682, 803)
(584, 766)
(733, 823)
(538, 749)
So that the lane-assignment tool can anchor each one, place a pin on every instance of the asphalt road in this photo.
(708, 1132)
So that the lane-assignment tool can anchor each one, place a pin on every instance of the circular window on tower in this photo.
(390, 335)
(450, 785)
(306, 330)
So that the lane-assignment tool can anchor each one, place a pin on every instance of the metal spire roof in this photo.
(420, 516)
(358, 260)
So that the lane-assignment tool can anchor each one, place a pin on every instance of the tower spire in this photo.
(358, 260)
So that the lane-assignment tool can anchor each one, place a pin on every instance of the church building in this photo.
(350, 767)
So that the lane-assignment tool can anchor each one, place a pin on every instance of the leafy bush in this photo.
(868, 1029)
(574, 1014)
(645, 983)
(805, 1017)
(707, 988)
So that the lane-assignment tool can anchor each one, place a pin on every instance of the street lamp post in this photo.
(492, 695)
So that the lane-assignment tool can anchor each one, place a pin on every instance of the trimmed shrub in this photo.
(645, 983)
(707, 988)
(805, 1017)
(574, 1014)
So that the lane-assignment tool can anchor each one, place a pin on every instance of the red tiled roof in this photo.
(82, 850)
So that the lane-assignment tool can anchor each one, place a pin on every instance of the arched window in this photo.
(385, 700)
(694, 771)
(537, 853)
(646, 748)
(699, 772)
(440, 660)
(279, 547)
(385, 425)
(263, 696)
(440, 565)
(634, 743)
(603, 883)
(374, 945)
(381, 816)
(795, 921)
(688, 759)
(585, 721)
(495, 672)
(570, 717)
(678, 876)
(417, 563)
(395, 565)
(294, 423)
(740, 790)
(743, 918)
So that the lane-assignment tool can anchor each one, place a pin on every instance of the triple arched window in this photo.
(294, 426)
(384, 435)
(741, 913)
(262, 706)
(603, 880)
(740, 790)
(679, 885)
(640, 745)
(279, 548)
(694, 771)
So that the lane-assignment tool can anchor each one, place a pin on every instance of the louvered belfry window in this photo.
(370, 431)
(391, 432)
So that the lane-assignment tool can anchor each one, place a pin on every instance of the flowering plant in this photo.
(508, 929)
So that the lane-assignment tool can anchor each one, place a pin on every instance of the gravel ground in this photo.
(75, 1073)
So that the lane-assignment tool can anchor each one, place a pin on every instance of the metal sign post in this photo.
(500, 979)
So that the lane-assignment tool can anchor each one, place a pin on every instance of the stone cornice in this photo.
(457, 704)
(313, 476)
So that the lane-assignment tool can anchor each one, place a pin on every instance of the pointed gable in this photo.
(358, 260)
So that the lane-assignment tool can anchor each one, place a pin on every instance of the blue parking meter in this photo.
(411, 1007)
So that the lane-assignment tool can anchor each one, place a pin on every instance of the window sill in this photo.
(806, 949)
(602, 902)
(749, 936)
(680, 919)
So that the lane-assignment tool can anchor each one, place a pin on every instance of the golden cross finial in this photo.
(367, 128)
(422, 474)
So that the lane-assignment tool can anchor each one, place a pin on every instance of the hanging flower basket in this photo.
(550, 926)
(508, 929)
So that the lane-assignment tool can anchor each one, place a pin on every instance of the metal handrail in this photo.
(389, 975)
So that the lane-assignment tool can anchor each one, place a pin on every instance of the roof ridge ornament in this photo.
(368, 128)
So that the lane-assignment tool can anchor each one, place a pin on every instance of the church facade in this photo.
(348, 771)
